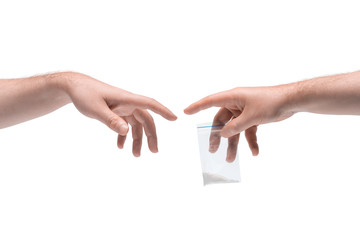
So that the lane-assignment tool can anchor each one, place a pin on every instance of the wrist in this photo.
(60, 83)
(290, 99)
(304, 96)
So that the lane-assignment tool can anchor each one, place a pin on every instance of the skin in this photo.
(245, 108)
(24, 99)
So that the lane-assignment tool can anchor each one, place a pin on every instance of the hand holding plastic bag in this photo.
(219, 159)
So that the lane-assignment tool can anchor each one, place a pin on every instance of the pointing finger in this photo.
(214, 100)
(153, 105)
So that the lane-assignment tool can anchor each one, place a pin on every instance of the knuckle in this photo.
(139, 116)
(221, 118)
(112, 122)
(152, 102)
(210, 99)
(251, 131)
(236, 125)
(147, 117)
(135, 125)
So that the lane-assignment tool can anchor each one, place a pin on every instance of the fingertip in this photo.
(154, 150)
(255, 152)
(186, 111)
(189, 110)
(169, 115)
(213, 148)
(123, 129)
(136, 155)
(254, 148)
(229, 159)
(192, 108)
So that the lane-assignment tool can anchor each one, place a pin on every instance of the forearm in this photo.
(337, 94)
(27, 98)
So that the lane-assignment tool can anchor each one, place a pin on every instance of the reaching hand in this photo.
(242, 109)
(117, 108)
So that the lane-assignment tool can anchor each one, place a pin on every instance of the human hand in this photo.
(243, 109)
(117, 108)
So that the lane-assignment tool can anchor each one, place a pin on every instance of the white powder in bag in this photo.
(210, 178)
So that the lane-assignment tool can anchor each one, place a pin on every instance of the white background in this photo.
(62, 177)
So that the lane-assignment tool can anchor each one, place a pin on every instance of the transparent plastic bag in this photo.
(214, 166)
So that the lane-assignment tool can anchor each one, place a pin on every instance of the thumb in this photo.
(237, 125)
(114, 122)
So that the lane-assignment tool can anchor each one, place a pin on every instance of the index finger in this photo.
(214, 100)
(153, 105)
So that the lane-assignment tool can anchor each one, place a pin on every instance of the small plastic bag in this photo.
(215, 168)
